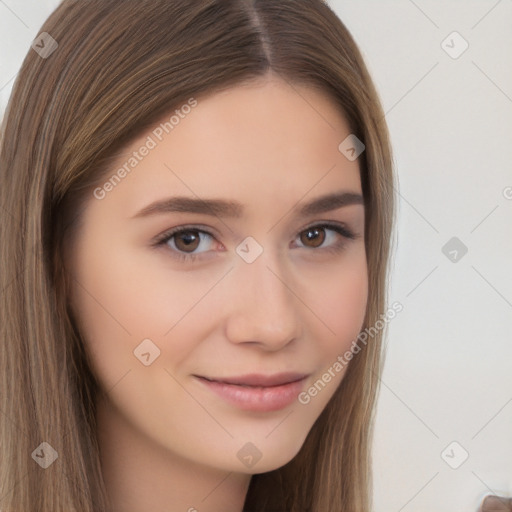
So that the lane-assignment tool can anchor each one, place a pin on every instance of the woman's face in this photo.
(254, 285)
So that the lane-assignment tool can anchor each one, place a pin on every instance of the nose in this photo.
(263, 309)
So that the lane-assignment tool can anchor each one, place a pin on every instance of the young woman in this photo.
(197, 207)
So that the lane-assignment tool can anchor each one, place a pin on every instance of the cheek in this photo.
(98, 302)
(109, 305)
(119, 300)
(341, 304)
(348, 308)
(339, 299)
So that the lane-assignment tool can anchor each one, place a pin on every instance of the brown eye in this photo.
(314, 235)
(184, 242)
(187, 241)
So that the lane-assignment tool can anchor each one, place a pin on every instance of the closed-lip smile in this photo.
(255, 379)
(257, 392)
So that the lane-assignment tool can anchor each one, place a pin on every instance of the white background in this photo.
(449, 352)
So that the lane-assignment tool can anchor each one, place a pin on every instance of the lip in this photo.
(257, 392)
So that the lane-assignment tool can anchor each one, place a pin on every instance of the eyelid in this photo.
(337, 225)
(341, 228)
(166, 235)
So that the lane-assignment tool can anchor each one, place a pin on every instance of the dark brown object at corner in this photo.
(497, 504)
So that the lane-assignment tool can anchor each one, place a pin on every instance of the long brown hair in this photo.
(120, 66)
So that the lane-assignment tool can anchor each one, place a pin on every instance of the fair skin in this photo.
(167, 441)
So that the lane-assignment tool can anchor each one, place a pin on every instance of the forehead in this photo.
(266, 139)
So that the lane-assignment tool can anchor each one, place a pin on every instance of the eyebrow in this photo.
(223, 208)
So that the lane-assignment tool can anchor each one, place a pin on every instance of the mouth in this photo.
(257, 392)
(259, 380)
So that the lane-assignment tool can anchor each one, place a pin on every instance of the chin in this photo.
(274, 456)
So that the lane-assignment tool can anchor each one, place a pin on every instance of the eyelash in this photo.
(162, 239)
